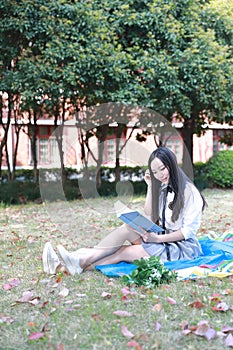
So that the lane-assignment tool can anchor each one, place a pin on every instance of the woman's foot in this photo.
(70, 260)
(50, 259)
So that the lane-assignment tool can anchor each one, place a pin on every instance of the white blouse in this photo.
(189, 219)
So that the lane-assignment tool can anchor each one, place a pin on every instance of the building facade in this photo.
(133, 154)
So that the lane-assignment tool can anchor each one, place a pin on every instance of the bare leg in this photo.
(125, 253)
(110, 244)
(117, 238)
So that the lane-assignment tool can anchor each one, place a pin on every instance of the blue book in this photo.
(137, 220)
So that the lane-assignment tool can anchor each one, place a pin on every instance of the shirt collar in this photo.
(166, 187)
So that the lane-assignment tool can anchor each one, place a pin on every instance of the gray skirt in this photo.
(185, 249)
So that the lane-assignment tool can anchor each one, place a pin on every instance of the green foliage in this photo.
(24, 190)
(200, 179)
(219, 169)
(174, 57)
(127, 172)
(150, 272)
(227, 138)
(19, 192)
(162, 54)
(20, 175)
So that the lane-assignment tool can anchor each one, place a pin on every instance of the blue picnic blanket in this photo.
(214, 253)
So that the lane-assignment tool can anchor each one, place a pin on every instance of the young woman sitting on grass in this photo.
(172, 201)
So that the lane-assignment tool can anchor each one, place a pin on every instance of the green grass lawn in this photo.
(78, 312)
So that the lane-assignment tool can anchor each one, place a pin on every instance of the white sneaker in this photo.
(50, 259)
(70, 260)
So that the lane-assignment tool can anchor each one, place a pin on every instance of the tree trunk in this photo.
(17, 134)
(9, 170)
(187, 135)
(59, 138)
(84, 142)
(119, 132)
(33, 149)
(99, 163)
(102, 132)
(5, 127)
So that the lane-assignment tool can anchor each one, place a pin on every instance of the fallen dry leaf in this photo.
(126, 291)
(60, 347)
(28, 298)
(210, 334)
(44, 304)
(227, 291)
(157, 307)
(197, 304)
(6, 319)
(227, 329)
(171, 301)
(205, 330)
(106, 295)
(45, 328)
(64, 292)
(97, 317)
(221, 334)
(202, 328)
(81, 295)
(216, 295)
(184, 325)
(157, 326)
(34, 301)
(216, 298)
(35, 335)
(122, 313)
(229, 341)
(12, 283)
(134, 344)
(126, 333)
(59, 279)
(186, 331)
(221, 307)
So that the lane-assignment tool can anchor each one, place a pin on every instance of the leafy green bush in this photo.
(219, 169)
(20, 175)
(217, 172)
(19, 192)
(200, 179)
(150, 272)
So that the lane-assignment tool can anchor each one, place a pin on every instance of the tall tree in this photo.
(184, 63)
(173, 57)
(12, 42)
(5, 125)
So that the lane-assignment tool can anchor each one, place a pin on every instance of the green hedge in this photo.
(24, 192)
(216, 172)
(200, 179)
(19, 192)
(219, 169)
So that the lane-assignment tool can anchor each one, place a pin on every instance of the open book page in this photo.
(135, 219)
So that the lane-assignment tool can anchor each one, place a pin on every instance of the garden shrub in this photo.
(219, 169)
(200, 178)
(19, 192)
(21, 175)
(216, 172)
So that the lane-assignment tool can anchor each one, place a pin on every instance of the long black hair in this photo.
(177, 182)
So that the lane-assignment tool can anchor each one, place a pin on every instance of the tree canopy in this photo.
(173, 57)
